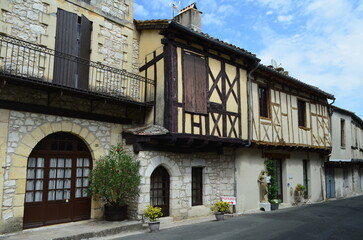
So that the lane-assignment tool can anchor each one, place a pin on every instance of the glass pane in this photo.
(53, 162)
(39, 185)
(60, 162)
(85, 172)
(59, 184)
(51, 195)
(40, 162)
(79, 182)
(40, 173)
(68, 173)
(85, 182)
(38, 196)
(60, 173)
(59, 195)
(51, 184)
(79, 162)
(52, 173)
(78, 192)
(29, 197)
(69, 163)
(79, 172)
(67, 194)
(84, 193)
(86, 162)
(31, 162)
(67, 184)
(29, 185)
(31, 174)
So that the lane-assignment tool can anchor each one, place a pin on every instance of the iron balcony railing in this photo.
(27, 61)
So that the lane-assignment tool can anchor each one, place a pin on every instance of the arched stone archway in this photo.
(160, 189)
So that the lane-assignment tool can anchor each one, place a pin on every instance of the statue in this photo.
(263, 186)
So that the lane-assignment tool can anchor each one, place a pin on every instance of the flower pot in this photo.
(219, 216)
(154, 226)
(115, 213)
(274, 206)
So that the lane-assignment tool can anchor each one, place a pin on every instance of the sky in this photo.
(319, 42)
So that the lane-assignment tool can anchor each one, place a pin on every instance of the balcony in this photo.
(39, 67)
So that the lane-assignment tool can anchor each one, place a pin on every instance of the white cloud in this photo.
(139, 10)
(286, 18)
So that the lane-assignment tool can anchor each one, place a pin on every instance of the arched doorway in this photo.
(160, 189)
(57, 179)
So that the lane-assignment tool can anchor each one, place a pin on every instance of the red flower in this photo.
(117, 150)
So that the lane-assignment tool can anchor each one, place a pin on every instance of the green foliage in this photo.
(153, 213)
(220, 206)
(300, 188)
(115, 178)
(271, 171)
(275, 201)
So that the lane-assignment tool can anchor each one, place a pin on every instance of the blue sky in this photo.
(319, 42)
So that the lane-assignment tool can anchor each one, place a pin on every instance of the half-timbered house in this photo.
(289, 124)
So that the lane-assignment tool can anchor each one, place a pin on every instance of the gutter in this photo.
(249, 100)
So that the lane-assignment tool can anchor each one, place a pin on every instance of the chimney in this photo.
(190, 17)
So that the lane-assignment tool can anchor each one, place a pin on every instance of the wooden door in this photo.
(160, 189)
(330, 182)
(57, 177)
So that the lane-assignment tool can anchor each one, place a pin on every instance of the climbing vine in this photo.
(271, 171)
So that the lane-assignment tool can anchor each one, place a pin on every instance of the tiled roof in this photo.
(296, 81)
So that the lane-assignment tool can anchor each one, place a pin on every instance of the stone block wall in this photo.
(24, 131)
(218, 180)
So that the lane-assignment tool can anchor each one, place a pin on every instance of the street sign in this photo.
(230, 200)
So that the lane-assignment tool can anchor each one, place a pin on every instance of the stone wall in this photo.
(25, 130)
(218, 180)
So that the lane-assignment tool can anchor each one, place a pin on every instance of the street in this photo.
(336, 219)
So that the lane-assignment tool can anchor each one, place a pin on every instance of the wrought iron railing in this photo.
(23, 60)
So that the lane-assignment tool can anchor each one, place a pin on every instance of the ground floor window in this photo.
(197, 186)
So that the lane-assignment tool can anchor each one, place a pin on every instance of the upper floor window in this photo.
(301, 109)
(195, 83)
(342, 132)
(263, 101)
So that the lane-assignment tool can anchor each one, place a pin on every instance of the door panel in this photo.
(159, 190)
(57, 176)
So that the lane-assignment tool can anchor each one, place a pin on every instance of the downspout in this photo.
(249, 101)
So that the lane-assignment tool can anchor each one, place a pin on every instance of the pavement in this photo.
(104, 230)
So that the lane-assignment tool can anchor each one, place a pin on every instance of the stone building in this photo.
(343, 171)
(68, 85)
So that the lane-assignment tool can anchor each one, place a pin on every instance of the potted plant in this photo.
(115, 180)
(153, 213)
(219, 209)
(272, 188)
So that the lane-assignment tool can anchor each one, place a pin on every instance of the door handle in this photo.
(67, 200)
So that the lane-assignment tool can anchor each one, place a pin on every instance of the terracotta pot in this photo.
(219, 216)
(154, 226)
(115, 213)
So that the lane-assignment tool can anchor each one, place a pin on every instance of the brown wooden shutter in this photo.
(85, 46)
(65, 42)
(195, 86)
(189, 79)
(200, 85)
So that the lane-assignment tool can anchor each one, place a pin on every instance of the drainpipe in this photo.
(249, 100)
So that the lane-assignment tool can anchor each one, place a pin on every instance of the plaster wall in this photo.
(341, 152)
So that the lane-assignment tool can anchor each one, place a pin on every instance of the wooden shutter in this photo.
(195, 77)
(65, 42)
(85, 46)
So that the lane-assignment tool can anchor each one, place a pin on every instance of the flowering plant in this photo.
(153, 213)
(220, 206)
(115, 178)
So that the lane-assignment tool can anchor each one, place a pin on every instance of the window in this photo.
(197, 186)
(73, 37)
(342, 132)
(195, 83)
(301, 108)
(263, 100)
(305, 178)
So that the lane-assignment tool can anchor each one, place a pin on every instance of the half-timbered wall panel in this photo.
(282, 127)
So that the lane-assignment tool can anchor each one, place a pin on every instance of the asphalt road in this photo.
(338, 219)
